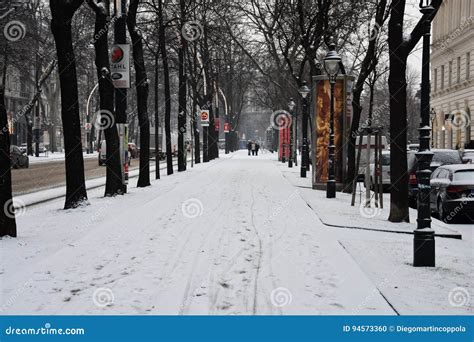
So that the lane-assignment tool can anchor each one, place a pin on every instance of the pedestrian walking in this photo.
(257, 147)
(249, 146)
(254, 147)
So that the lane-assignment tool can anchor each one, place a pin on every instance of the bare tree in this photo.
(7, 210)
(142, 87)
(399, 49)
(62, 12)
(113, 185)
(166, 79)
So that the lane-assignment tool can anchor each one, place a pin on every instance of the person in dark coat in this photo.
(257, 147)
(249, 146)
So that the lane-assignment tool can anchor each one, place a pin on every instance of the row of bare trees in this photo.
(211, 55)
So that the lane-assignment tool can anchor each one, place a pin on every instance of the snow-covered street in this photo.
(233, 236)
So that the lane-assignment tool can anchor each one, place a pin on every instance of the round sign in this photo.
(117, 54)
(204, 116)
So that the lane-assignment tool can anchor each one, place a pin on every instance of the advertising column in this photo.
(320, 111)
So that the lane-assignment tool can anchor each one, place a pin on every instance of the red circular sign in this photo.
(117, 54)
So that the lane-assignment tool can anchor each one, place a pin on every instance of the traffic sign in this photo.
(204, 118)
(217, 124)
(226, 127)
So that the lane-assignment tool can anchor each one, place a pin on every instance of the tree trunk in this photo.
(142, 95)
(113, 184)
(182, 94)
(197, 138)
(351, 152)
(7, 210)
(62, 13)
(398, 116)
(157, 121)
(166, 77)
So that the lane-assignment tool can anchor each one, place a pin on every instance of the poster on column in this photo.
(321, 117)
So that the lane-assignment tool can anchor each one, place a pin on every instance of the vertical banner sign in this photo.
(204, 115)
(226, 127)
(120, 65)
(217, 124)
(284, 143)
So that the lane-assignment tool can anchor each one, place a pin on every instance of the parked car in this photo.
(102, 153)
(468, 157)
(452, 191)
(18, 158)
(440, 157)
(385, 170)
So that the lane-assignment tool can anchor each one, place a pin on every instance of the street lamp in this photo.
(291, 106)
(304, 91)
(423, 240)
(331, 65)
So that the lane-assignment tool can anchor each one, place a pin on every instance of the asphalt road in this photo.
(52, 174)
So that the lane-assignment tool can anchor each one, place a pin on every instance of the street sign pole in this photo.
(204, 115)
(120, 37)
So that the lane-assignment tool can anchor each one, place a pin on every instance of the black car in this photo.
(18, 158)
(452, 191)
(440, 157)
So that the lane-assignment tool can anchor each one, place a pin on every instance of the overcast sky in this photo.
(412, 13)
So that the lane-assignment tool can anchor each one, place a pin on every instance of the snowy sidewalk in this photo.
(339, 212)
(386, 256)
(232, 236)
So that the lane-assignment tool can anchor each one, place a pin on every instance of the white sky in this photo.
(413, 13)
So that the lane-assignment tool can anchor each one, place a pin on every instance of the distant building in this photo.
(452, 75)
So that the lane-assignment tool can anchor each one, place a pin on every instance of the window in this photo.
(436, 79)
(458, 72)
(468, 65)
(442, 77)
(450, 73)
(468, 128)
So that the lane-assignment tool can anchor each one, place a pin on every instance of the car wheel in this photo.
(441, 213)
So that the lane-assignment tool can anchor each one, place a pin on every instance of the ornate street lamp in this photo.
(424, 241)
(331, 65)
(291, 106)
(304, 91)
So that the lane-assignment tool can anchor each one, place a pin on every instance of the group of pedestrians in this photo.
(253, 148)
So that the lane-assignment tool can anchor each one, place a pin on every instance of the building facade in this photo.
(452, 75)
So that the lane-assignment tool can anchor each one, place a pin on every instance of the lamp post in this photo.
(304, 91)
(423, 241)
(291, 106)
(331, 65)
